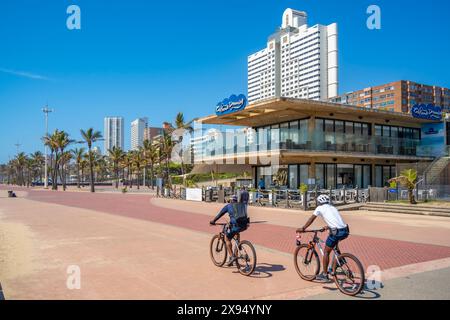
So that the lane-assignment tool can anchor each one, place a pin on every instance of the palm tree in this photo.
(100, 167)
(180, 124)
(116, 156)
(138, 162)
(90, 137)
(52, 143)
(78, 154)
(38, 160)
(151, 155)
(408, 179)
(20, 163)
(83, 164)
(65, 158)
(128, 165)
(166, 147)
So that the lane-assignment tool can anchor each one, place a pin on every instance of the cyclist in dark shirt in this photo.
(238, 223)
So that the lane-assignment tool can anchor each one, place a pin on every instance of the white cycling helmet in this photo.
(323, 199)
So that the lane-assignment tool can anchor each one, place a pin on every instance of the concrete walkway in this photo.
(137, 247)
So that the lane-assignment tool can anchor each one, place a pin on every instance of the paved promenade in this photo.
(136, 246)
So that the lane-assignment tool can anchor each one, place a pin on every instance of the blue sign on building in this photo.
(427, 112)
(232, 104)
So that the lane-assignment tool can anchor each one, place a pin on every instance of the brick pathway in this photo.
(372, 251)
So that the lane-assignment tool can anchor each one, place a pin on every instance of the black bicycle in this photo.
(346, 269)
(243, 250)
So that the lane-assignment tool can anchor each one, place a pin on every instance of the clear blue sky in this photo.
(154, 58)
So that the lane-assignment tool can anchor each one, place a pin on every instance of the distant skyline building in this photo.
(398, 96)
(113, 133)
(298, 62)
(138, 127)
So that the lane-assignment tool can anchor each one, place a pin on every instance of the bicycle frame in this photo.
(317, 242)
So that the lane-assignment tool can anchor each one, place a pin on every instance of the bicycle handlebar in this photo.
(315, 231)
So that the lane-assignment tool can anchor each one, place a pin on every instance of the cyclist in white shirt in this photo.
(339, 230)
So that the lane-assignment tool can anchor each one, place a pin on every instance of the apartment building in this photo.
(398, 96)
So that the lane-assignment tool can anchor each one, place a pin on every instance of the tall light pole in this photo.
(18, 147)
(46, 111)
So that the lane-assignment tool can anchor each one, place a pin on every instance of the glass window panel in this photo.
(304, 130)
(294, 132)
(304, 174)
(349, 127)
(284, 132)
(345, 176)
(331, 176)
(379, 176)
(359, 176)
(367, 176)
(366, 129)
(386, 131)
(319, 125)
(320, 176)
(293, 177)
(378, 130)
(358, 128)
(339, 126)
(329, 125)
(394, 132)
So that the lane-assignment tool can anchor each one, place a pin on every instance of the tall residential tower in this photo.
(113, 133)
(138, 127)
(298, 62)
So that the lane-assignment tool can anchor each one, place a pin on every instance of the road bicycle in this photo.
(243, 250)
(346, 269)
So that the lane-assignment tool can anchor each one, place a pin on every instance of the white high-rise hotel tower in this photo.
(138, 127)
(299, 62)
(113, 133)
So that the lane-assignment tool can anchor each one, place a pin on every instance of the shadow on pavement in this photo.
(365, 294)
(265, 270)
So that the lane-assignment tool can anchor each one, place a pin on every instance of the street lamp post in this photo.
(46, 111)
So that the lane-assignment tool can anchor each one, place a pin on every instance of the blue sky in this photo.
(154, 58)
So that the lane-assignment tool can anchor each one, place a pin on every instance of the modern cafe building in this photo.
(317, 143)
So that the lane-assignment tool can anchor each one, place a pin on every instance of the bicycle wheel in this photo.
(246, 258)
(307, 262)
(218, 251)
(349, 274)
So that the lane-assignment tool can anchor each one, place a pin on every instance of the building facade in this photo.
(113, 133)
(152, 132)
(319, 144)
(298, 62)
(138, 127)
(398, 96)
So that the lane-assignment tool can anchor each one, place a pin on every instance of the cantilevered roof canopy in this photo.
(285, 109)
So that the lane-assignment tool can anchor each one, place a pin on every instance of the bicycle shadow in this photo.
(265, 270)
(366, 293)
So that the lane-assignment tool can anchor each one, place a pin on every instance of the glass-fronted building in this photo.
(290, 142)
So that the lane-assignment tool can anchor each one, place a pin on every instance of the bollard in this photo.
(305, 201)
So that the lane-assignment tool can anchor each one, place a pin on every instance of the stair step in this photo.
(408, 207)
(422, 213)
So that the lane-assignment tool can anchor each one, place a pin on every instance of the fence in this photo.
(276, 198)
(422, 193)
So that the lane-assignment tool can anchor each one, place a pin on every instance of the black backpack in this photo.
(240, 215)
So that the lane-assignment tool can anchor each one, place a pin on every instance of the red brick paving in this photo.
(372, 251)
